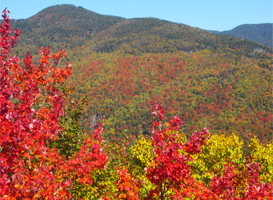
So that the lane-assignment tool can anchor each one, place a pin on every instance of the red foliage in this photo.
(30, 107)
(225, 186)
(128, 187)
(170, 170)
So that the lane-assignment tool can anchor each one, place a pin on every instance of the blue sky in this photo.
(206, 14)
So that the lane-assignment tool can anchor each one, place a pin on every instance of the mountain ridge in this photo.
(261, 33)
(69, 26)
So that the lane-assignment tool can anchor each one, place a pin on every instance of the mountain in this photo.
(120, 65)
(69, 26)
(151, 35)
(261, 33)
(61, 25)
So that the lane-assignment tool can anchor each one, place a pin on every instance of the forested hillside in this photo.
(224, 92)
(217, 81)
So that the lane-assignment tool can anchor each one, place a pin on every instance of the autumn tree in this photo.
(31, 107)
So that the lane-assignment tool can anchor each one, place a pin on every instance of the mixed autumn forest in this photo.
(132, 109)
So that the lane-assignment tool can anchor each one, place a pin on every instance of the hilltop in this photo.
(64, 26)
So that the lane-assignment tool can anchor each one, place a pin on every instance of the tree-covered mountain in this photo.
(69, 26)
(150, 35)
(59, 26)
(261, 33)
(120, 65)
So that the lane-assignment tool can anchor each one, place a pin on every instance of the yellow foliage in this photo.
(218, 150)
(263, 155)
(141, 158)
(142, 154)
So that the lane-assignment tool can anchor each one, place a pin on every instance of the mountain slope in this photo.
(157, 36)
(226, 92)
(261, 33)
(218, 81)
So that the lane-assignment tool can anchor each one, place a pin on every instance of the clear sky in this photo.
(206, 14)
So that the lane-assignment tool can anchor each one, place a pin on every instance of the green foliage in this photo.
(72, 136)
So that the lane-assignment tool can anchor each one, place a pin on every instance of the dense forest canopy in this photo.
(217, 81)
